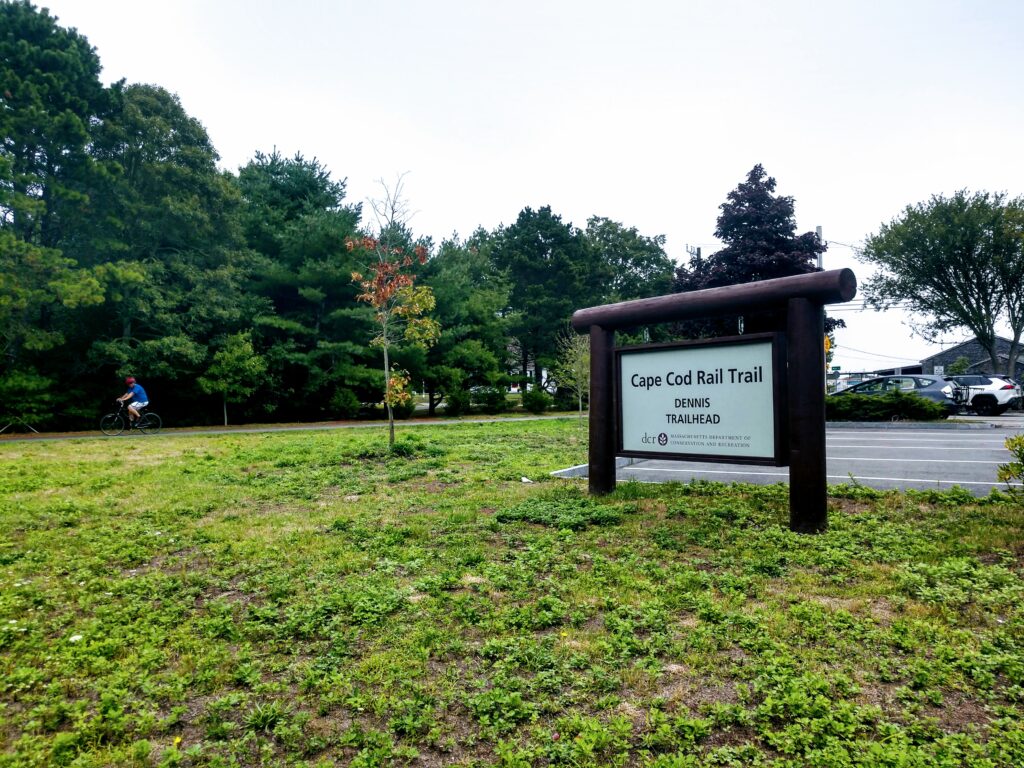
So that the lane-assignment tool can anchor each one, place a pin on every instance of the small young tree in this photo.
(961, 365)
(572, 367)
(401, 307)
(235, 372)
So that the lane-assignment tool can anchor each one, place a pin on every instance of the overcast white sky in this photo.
(647, 112)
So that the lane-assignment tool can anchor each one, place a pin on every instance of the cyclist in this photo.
(136, 397)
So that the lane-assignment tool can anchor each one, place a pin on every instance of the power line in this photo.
(867, 305)
(872, 354)
(845, 245)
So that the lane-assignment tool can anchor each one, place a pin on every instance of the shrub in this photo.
(1014, 471)
(490, 399)
(404, 410)
(566, 400)
(345, 404)
(536, 400)
(893, 405)
(456, 402)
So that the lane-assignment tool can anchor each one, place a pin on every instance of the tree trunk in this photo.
(225, 401)
(387, 399)
(1014, 353)
(989, 345)
(432, 400)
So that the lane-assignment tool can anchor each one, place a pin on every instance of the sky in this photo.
(648, 112)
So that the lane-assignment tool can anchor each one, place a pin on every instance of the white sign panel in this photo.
(714, 401)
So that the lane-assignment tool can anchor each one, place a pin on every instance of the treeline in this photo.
(124, 249)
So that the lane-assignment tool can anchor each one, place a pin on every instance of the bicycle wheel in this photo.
(112, 424)
(149, 424)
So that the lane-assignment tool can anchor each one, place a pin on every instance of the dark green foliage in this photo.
(887, 407)
(492, 400)
(457, 402)
(640, 268)
(404, 410)
(552, 274)
(345, 404)
(573, 514)
(50, 95)
(536, 400)
(959, 262)
(471, 296)
(499, 711)
(758, 228)
(314, 334)
(566, 400)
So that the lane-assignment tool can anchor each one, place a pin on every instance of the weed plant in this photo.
(311, 599)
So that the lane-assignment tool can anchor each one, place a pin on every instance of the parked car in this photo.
(989, 395)
(936, 388)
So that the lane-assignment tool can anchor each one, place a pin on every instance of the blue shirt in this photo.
(138, 394)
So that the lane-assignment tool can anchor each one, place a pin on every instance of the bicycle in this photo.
(113, 424)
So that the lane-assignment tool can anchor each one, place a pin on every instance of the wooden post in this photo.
(602, 411)
(805, 331)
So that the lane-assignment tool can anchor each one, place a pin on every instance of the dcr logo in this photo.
(661, 439)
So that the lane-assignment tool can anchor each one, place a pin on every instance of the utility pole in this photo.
(818, 230)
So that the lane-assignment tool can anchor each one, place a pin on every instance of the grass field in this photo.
(310, 599)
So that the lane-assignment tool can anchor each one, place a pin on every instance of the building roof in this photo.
(972, 340)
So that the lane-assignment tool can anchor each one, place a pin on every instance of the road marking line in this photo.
(876, 446)
(856, 478)
(916, 442)
(928, 461)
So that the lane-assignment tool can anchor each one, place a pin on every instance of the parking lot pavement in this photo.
(877, 458)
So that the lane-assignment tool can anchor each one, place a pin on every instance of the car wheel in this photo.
(1002, 409)
(984, 406)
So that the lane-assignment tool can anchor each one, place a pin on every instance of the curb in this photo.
(583, 470)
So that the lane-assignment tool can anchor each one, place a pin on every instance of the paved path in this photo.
(260, 428)
(878, 458)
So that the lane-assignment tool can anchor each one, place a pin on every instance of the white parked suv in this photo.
(989, 395)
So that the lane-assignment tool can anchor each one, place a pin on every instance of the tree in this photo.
(637, 264)
(471, 296)
(758, 228)
(162, 236)
(310, 328)
(961, 365)
(572, 370)
(50, 95)
(400, 307)
(552, 272)
(1010, 266)
(283, 190)
(235, 372)
(958, 262)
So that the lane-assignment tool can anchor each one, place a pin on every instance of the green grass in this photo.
(310, 599)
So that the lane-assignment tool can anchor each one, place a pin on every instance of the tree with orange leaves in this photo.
(401, 307)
